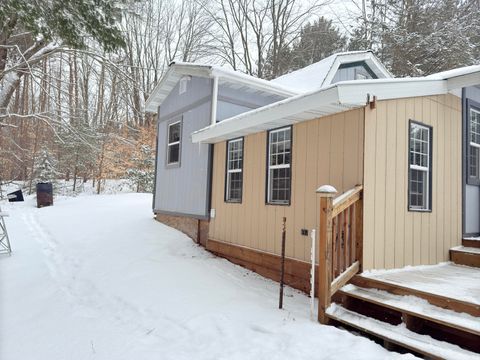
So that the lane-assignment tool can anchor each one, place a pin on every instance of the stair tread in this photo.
(416, 306)
(472, 238)
(466, 249)
(399, 334)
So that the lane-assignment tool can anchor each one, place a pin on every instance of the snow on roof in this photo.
(332, 99)
(226, 76)
(321, 74)
(454, 72)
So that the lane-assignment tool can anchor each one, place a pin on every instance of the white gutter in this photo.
(334, 98)
(464, 80)
(213, 112)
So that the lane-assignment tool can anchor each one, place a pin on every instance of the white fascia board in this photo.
(465, 80)
(356, 93)
(177, 70)
(270, 113)
(340, 96)
(331, 72)
(170, 79)
(377, 67)
(250, 81)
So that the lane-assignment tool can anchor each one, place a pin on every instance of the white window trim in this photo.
(473, 143)
(232, 171)
(183, 84)
(273, 167)
(421, 168)
(169, 144)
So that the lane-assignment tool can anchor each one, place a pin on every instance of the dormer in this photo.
(353, 65)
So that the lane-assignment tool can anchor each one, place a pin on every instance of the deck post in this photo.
(327, 193)
(359, 233)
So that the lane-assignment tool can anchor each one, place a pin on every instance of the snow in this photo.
(319, 74)
(467, 249)
(308, 78)
(466, 70)
(95, 277)
(445, 279)
(416, 305)
(401, 333)
(64, 188)
(328, 189)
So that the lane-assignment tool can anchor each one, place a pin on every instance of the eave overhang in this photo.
(333, 99)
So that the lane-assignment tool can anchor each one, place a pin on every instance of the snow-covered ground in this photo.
(95, 277)
(65, 188)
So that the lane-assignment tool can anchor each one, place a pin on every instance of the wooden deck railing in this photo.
(340, 242)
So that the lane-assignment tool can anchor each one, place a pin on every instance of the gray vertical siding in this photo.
(185, 189)
(471, 192)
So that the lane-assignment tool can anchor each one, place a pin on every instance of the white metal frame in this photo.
(232, 171)
(424, 169)
(5, 247)
(281, 166)
(169, 144)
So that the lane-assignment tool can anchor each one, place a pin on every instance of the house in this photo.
(385, 170)
(399, 158)
(187, 98)
(190, 97)
(333, 136)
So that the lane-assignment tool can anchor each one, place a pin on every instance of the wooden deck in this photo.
(449, 280)
(432, 311)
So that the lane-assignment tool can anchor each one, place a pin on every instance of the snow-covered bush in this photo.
(45, 167)
(142, 173)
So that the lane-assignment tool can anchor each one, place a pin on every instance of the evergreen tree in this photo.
(141, 175)
(45, 167)
(317, 41)
(420, 37)
(77, 151)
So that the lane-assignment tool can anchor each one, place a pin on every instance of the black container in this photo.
(15, 196)
(44, 194)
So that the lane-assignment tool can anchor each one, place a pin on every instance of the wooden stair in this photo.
(468, 254)
(471, 242)
(404, 321)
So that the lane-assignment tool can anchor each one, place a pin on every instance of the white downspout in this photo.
(213, 112)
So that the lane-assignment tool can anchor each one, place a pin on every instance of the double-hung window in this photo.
(420, 161)
(234, 168)
(474, 153)
(174, 138)
(279, 161)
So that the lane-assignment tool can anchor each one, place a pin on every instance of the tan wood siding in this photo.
(328, 150)
(394, 236)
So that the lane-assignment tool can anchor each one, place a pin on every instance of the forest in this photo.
(74, 76)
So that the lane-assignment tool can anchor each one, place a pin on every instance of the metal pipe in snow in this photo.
(312, 277)
(282, 269)
(213, 112)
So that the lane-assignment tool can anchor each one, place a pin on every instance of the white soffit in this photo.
(227, 77)
(326, 101)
